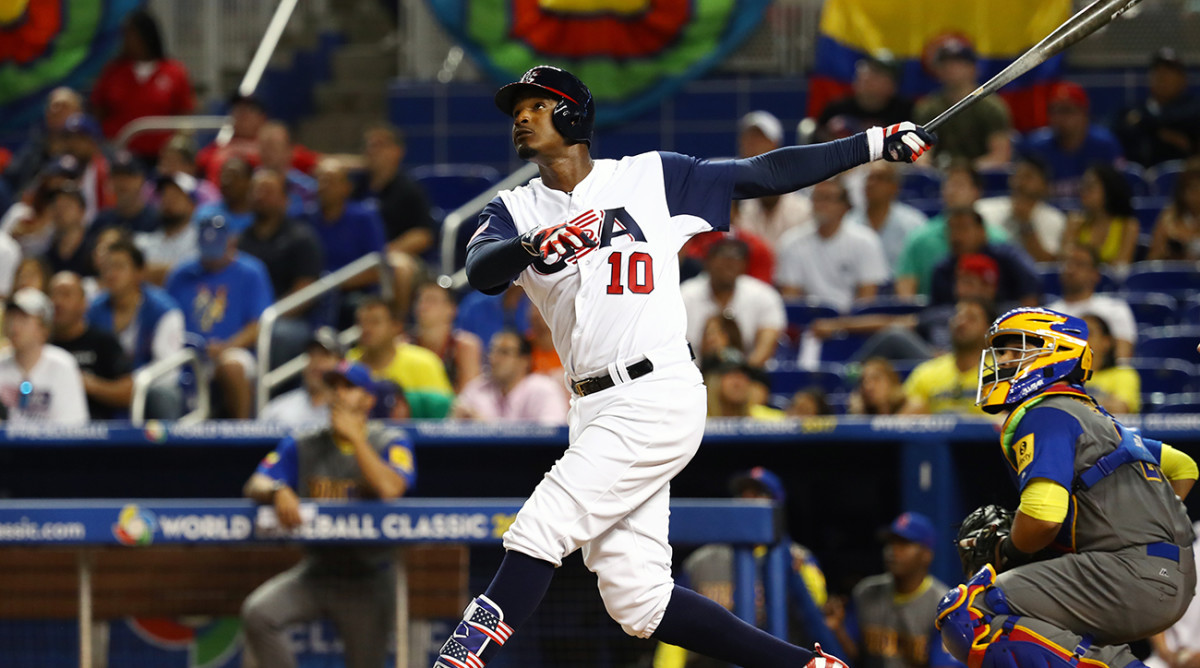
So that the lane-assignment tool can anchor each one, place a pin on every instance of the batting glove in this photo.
(822, 660)
(902, 142)
(551, 244)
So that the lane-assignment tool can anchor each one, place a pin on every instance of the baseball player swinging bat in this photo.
(1087, 21)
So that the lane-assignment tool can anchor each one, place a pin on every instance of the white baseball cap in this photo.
(34, 302)
(765, 122)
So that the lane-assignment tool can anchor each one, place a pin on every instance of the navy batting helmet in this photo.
(575, 112)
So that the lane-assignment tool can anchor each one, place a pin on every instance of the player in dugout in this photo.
(1099, 551)
(594, 243)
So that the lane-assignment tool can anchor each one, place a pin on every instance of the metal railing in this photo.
(268, 378)
(154, 123)
(145, 377)
(466, 212)
(262, 56)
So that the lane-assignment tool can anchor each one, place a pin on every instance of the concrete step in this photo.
(337, 132)
(355, 97)
(355, 62)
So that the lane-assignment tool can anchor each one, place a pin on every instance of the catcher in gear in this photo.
(1099, 552)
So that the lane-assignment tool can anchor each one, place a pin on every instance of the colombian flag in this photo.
(999, 31)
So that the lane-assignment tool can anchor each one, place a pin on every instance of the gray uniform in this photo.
(1115, 585)
(352, 586)
(896, 630)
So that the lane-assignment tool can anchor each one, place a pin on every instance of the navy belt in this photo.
(1164, 550)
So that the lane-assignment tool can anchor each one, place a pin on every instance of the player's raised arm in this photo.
(789, 169)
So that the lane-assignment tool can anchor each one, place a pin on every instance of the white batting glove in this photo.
(552, 244)
(902, 142)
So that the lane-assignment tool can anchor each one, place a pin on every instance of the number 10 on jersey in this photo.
(637, 275)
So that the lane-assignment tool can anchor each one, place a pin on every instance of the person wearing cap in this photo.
(1078, 277)
(947, 383)
(508, 390)
(1024, 213)
(308, 405)
(44, 141)
(131, 209)
(889, 621)
(222, 294)
(1071, 143)
(83, 142)
(39, 382)
(106, 369)
(141, 81)
(234, 205)
(838, 262)
(874, 99)
(766, 218)
(351, 457)
(709, 571)
(1015, 278)
(981, 133)
(726, 288)
(1166, 125)
(175, 239)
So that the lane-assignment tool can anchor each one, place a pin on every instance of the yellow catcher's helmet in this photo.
(1027, 350)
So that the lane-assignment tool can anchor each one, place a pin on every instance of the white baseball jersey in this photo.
(618, 301)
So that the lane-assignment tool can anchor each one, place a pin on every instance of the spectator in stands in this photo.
(39, 382)
(1024, 213)
(874, 100)
(145, 319)
(760, 256)
(484, 315)
(249, 115)
(83, 140)
(45, 142)
(178, 156)
(837, 262)
(722, 342)
(131, 208)
(275, 153)
(725, 288)
(1079, 274)
(28, 221)
(709, 571)
(1115, 386)
(419, 371)
(768, 218)
(175, 241)
(731, 392)
(508, 390)
(979, 134)
(347, 230)
(71, 247)
(235, 204)
(402, 204)
(350, 458)
(287, 247)
(1106, 220)
(106, 370)
(32, 272)
(890, 618)
(927, 246)
(541, 339)
(1016, 280)
(1166, 125)
(223, 293)
(891, 219)
(809, 402)
(879, 391)
(308, 405)
(141, 81)
(1071, 143)
(1177, 232)
(947, 384)
(461, 351)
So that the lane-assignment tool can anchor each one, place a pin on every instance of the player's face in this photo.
(533, 130)
(1010, 350)
(905, 558)
(348, 396)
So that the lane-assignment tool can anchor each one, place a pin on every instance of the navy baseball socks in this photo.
(515, 592)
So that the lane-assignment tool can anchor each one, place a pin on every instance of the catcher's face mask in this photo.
(1027, 350)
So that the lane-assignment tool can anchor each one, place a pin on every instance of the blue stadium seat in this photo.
(921, 183)
(891, 305)
(1180, 279)
(787, 379)
(1167, 376)
(1051, 285)
(1152, 309)
(841, 348)
(995, 180)
(930, 206)
(1175, 342)
(1190, 314)
(1179, 403)
(802, 311)
(1147, 209)
(1164, 176)
(1135, 176)
(449, 186)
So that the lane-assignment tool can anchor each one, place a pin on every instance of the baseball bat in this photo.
(1087, 21)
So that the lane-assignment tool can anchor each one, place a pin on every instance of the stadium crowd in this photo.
(867, 294)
